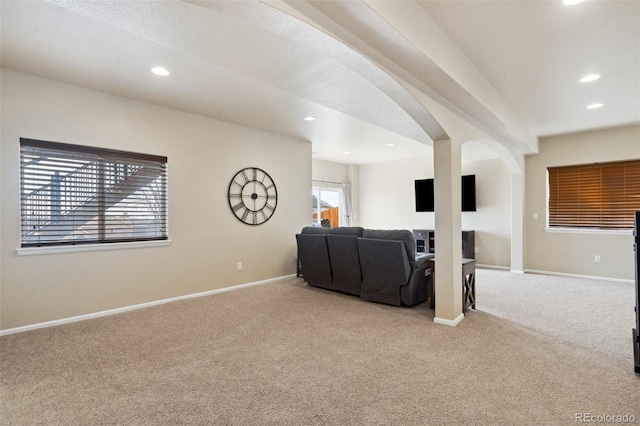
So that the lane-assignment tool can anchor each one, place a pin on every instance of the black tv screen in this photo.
(469, 193)
(424, 191)
(424, 195)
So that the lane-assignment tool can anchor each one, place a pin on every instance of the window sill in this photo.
(33, 251)
(589, 231)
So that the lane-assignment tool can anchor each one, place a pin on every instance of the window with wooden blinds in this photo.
(597, 196)
(74, 194)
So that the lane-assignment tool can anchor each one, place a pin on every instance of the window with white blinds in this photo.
(74, 194)
(596, 196)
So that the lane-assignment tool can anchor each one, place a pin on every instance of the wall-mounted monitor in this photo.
(469, 193)
(424, 194)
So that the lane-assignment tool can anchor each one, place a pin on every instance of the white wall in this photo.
(329, 171)
(574, 252)
(207, 240)
(387, 201)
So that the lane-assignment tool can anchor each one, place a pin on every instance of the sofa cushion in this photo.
(348, 230)
(395, 234)
(315, 230)
(313, 253)
(385, 269)
(345, 263)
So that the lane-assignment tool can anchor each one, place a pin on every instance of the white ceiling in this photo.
(509, 68)
(534, 53)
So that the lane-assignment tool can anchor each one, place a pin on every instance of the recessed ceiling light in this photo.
(309, 118)
(390, 144)
(594, 106)
(589, 77)
(161, 71)
(571, 2)
(347, 152)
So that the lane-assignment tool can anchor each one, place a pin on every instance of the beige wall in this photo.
(387, 201)
(207, 240)
(329, 171)
(574, 253)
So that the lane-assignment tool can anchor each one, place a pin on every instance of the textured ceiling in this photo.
(222, 67)
(508, 69)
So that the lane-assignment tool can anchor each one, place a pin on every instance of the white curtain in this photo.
(347, 209)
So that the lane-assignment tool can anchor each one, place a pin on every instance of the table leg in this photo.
(468, 284)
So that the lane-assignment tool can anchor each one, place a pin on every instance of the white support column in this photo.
(448, 231)
(517, 223)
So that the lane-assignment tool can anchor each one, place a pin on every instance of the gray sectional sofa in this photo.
(377, 265)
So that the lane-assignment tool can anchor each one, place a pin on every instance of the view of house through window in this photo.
(74, 194)
(326, 208)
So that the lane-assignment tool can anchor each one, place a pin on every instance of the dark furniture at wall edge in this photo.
(636, 330)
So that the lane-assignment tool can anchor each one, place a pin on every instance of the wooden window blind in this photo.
(74, 194)
(598, 196)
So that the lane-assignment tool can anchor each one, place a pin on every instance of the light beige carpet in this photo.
(288, 354)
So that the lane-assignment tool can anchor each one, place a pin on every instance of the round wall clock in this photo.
(252, 196)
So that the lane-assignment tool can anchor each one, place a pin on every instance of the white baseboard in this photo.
(561, 274)
(134, 307)
(451, 323)
(503, 268)
(588, 277)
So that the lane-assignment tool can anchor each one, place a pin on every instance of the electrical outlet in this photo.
(239, 266)
(535, 215)
(598, 259)
(475, 249)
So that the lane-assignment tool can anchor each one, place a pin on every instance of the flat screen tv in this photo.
(469, 193)
(424, 194)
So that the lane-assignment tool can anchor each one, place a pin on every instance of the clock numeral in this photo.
(234, 195)
(269, 206)
(238, 207)
(245, 215)
(244, 175)
(270, 186)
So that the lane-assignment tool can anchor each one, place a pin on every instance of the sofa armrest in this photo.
(419, 287)
(423, 260)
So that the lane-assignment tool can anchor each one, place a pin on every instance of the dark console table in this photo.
(426, 242)
(468, 284)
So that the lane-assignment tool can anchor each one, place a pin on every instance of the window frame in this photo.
(322, 186)
(152, 167)
(599, 192)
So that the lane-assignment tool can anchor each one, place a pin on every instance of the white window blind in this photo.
(74, 194)
(598, 196)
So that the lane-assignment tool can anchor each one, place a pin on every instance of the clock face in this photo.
(252, 196)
